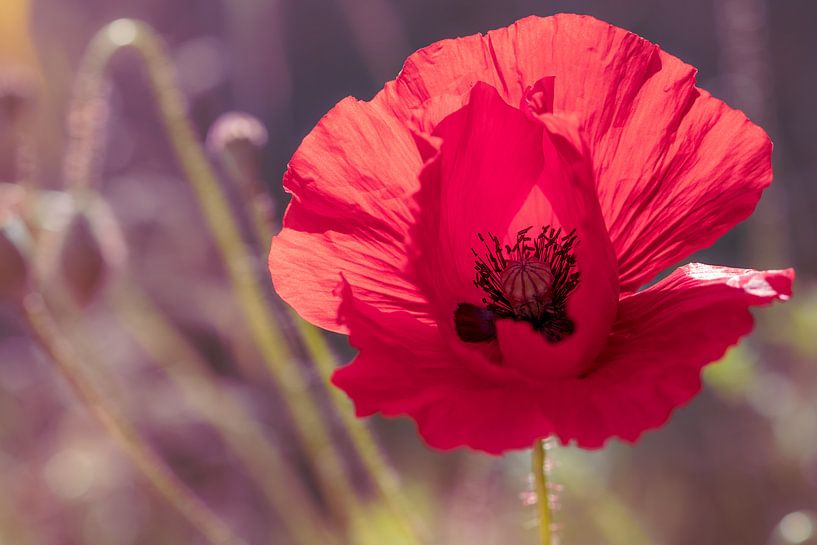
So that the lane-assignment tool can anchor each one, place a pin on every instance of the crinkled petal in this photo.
(351, 182)
(306, 269)
(651, 365)
(675, 168)
(358, 162)
(662, 338)
(675, 177)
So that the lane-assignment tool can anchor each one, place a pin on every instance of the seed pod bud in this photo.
(81, 260)
(235, 140)
(236, 129)
(87, 248)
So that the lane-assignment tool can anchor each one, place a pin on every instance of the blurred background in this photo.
(145, 396)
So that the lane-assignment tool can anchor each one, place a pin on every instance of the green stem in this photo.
(540, 480)
(152, 467)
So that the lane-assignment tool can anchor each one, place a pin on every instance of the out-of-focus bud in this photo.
(15, 244)
(85, 250)
(92, 248)
(236, 129)
(235, 140)
(82, 263)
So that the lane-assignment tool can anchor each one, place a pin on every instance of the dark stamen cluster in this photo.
(546, 308)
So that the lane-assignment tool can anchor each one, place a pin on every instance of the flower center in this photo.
(529, 281)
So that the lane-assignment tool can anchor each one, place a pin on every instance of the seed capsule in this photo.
(530, 281)
(527, 284)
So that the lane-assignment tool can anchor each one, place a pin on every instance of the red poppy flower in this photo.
(482, 226)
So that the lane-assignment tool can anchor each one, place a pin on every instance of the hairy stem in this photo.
(540, 481)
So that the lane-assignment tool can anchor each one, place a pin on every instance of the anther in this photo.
(474, 324)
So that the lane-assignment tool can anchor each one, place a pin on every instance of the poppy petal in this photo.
(675, 167)
(406, 368)
(651, 365)
(665, 334)
(349, 214)
(498, 171)
(670, 187)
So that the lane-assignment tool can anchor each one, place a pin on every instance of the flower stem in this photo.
(154, 469)
(312, 430)
(540, 480)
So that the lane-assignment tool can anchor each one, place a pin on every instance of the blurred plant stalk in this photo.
(83, 251)
(44, 330)
(239, 161)
(25, 291)
(312, 430)
(237, 427)
(84, 131)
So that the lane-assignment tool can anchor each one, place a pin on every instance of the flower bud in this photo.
(235, 128)
(81, 259)
(87, 247)
(235, 140)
